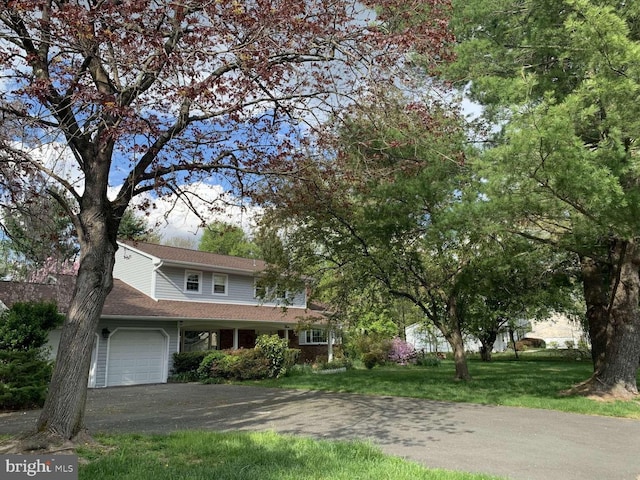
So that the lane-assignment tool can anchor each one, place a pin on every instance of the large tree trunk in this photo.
(616, 373)
(62, 417)
(456, 341)
(453, 334)
(487, 340)
(596, 279)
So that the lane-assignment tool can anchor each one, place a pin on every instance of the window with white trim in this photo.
(192, 281)
(314, 336)
(280, 293)
(260, 289)
(220, 283)
(267, 292)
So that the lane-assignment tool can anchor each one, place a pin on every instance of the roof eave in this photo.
(208, 266)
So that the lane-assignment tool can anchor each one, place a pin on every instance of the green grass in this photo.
(533, 382)
(264, 456)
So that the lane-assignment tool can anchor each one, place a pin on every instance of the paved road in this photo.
(515, 443)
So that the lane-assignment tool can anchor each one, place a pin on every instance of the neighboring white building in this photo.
(430, 340)
(558, 331)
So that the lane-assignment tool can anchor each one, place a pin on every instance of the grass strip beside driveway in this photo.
(265, 456)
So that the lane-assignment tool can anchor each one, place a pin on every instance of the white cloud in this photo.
(58, 160)
(174, 217)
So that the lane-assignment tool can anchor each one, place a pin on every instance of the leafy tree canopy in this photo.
(38, 232)
(562, 79)
(226, 239)
(378, 210)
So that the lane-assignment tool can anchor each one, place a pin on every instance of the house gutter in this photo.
(204, 266)
(157, 263)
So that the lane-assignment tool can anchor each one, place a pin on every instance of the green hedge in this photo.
(24, 379)
(188, 362)
(269, 359)
(25, 325)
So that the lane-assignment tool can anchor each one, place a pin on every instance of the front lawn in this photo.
(239, 456)
(532, 382)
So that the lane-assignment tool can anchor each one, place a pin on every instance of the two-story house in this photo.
(165, 297)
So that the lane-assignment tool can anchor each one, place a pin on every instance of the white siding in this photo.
(134, 269)
(241, 288)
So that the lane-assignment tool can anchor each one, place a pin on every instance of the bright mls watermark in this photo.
(50, 467)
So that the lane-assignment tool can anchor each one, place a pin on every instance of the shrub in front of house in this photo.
(372, 349)
(187, 363)
(26, 325)
(275, 349)
(292, 356)
(267, 360)
(24, 378)
(212, 357)
(222, 365)
(426, 359)
(249, 364)
(371, 359)
(24, 371)
(529, 343)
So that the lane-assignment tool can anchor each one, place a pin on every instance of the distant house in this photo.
(557, 331)
(168, 299)
(432, 341)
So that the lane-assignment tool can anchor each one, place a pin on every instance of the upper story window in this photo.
(280, 293)
(260, 289)
(192, 281)
(220, 284)
(269, 292)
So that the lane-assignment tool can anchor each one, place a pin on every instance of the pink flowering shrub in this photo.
(401, 351)
(53, 267)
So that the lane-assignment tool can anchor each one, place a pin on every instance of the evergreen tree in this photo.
(562, 79)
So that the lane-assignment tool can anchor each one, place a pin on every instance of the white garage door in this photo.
(136, 356)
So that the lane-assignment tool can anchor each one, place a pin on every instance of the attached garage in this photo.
(136, 356)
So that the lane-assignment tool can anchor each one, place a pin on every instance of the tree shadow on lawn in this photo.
(524, 383)
(491, 383)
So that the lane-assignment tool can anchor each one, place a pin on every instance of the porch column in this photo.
(235, 339)
(330, 345)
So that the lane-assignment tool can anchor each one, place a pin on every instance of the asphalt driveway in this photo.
(516, 443)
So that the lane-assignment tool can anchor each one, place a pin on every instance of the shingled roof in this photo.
(187, 256)
(125, 301)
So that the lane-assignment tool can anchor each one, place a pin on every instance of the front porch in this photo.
(197, 336)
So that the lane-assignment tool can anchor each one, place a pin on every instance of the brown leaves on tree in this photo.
(200, 86)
